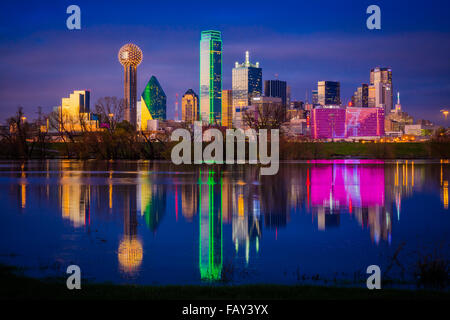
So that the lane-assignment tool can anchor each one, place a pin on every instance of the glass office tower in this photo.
(227, 108)
(360, 98)
(276, 89)
(153, 104)
(381, 79)
(247, 82)
(211, 76)
(189, 106)
(329, 93)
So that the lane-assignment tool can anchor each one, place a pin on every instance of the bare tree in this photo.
(18, 135)
(266, 116)
(64, 125)
(111, 110)
(41, 137)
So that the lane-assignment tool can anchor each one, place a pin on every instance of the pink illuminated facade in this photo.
(364, 122)
(339, 123)
(328, 123)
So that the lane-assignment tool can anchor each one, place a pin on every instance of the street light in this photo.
(445, 113)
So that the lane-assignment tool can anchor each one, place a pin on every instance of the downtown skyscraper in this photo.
(247, 82)
(382, 88)
(211, 76)
(276, 89)
(227, 108)
(360, 98)
(329, 93)
(153, 104)
(189, 106)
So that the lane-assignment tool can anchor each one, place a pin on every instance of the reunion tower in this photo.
(130, 56)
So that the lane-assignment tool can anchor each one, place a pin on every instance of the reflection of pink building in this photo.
(354, 186)
(346, 186)
(364, 122)
(332, 123)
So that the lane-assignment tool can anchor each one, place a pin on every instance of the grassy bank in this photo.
(288, 151)
(16, 286)
(336, 150)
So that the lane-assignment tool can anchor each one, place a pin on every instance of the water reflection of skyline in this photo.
(369, 192)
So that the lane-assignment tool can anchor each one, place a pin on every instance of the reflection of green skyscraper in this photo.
(153, 104)
(151, 202)
(210, 220)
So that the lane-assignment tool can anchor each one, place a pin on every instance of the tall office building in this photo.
(211, 76)
(381, 80)
(360, 98)
(276, 89)
(74, 112)
(329, 93)
(227, 108)
(247, 82)
(371, 94)
(130, 56)
(315, 97)
(77, 102)
(152, 105)
(189, 107)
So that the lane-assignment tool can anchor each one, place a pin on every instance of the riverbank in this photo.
(16, 287)
(288, 151)
(359, 150)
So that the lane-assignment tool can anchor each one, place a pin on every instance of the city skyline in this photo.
(296, 54)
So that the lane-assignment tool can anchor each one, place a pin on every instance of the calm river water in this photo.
(157, 223)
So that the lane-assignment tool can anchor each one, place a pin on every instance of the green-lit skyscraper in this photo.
(211, 76)
(153, 104)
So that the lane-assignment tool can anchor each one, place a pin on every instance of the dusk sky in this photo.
(301, 41)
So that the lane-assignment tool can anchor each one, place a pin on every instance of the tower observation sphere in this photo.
(130, 56)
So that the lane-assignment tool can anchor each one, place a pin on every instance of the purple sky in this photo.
(43, 64)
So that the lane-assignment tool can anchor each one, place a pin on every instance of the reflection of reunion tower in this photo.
(130, 56)
(130, 252)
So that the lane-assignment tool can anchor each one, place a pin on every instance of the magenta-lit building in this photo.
(364, 122)
(340, 123)
(328, 123)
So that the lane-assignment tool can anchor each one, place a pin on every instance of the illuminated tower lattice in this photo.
(130, 56)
